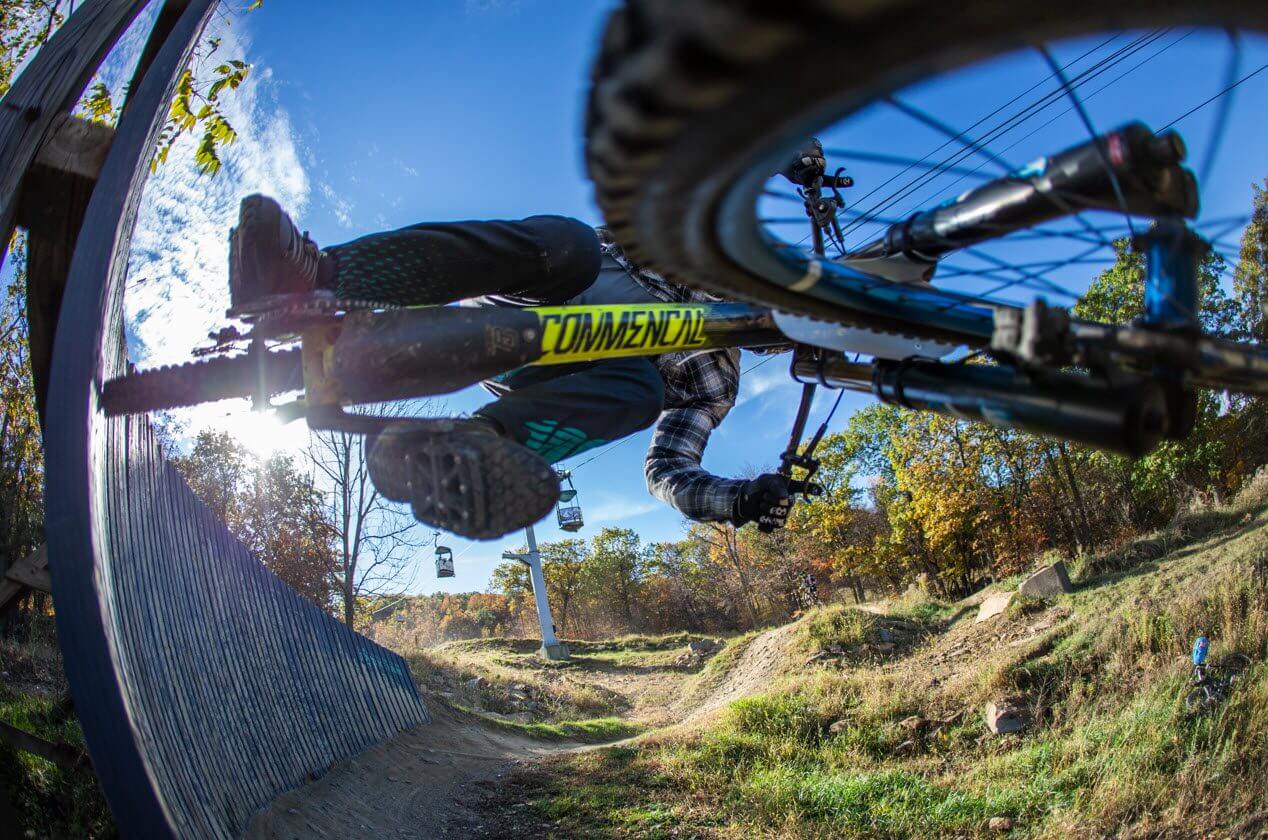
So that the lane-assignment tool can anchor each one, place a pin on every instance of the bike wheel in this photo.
(1198, 700)
(1233, 666)
(695, 103)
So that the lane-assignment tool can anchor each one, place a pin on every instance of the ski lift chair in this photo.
(444, 562)
(568, 511)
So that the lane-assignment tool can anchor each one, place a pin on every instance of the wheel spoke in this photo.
(1091, 130)
(1056, 260)
(946, 272)
(1220, 123)
(1114, 59)
(960, 137)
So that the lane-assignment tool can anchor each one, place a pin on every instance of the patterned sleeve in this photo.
(700, 390)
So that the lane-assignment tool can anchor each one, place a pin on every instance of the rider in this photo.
(555, 411)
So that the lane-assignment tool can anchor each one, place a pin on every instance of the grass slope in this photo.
(892, 743)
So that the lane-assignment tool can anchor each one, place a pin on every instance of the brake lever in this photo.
(805, 488)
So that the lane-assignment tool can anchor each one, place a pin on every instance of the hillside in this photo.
(851, 723)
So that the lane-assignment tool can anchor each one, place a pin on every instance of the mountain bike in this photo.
(1212, 682)
(694, 108)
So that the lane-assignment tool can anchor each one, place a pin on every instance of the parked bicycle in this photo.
(1212, 683)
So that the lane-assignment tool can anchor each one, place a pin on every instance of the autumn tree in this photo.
(271, 506)
(21, 454)
(564, 566)
(374, 538)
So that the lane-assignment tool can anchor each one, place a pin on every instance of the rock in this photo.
(1004, 718)
(819, 657)
(1000, 824)
(1048, 582)
(908, 746)
(839, 726)
(993, 606)
(911, 724)
(475, 682)
(884, 647)
(701, 646)
(520, 687)
(521, 717)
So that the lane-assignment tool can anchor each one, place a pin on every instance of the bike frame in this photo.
(380, 355)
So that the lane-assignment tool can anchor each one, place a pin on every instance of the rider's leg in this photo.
(562, 410)
(541, 259)
(538, 259)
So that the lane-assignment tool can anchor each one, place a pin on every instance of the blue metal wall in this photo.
(205, 687)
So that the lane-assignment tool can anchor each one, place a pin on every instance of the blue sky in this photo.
(456, 109)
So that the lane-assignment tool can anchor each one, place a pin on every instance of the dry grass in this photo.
(1104, 670)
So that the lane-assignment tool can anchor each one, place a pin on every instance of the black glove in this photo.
(807, 165)
(765, 500)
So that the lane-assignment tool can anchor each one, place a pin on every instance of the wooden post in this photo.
(49, 87)
(31, 571)
(55, 196)
(63, 755)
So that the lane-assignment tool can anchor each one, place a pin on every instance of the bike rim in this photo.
(1057, 94)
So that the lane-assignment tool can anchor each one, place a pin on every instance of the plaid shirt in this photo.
(700, 389)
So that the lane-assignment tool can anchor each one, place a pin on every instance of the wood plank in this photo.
(63, 755)
(166, 21)
(55, 196)
(32, 573)
(75, 147)
(50, 86)
(32, 570)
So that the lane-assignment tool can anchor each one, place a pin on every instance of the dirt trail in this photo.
(415, 785)
(420, 783)
(765, 658)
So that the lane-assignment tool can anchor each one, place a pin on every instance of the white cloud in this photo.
(339, 206)
(492, 6)
(609, 509)
(772, 373)
(178, 270)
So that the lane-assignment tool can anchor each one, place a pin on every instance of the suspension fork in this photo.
(1173, 266)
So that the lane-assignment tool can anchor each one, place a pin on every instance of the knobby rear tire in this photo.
(689, 95)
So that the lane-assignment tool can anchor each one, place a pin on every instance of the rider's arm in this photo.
(700, 390)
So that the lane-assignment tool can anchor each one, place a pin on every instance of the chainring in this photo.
(256, 373)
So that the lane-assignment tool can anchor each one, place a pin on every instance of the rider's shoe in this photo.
(268, 256)
(462, 476)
